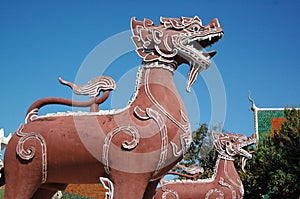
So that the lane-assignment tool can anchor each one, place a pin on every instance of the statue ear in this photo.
(136, 25)
(196, 18)
(253, 136)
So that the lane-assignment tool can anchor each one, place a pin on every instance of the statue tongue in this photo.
(194, 71)
(192, 76)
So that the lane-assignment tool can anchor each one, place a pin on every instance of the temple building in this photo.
(266, 119)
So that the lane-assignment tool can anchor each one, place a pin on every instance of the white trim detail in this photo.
(107, 184)
(128, 145)
(29, 152)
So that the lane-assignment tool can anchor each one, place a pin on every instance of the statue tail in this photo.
(92, 89)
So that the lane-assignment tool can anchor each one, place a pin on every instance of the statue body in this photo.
(69, 160)
(128, 150)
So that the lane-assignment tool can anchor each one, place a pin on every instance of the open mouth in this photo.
(194, 46)
(198, 44)
(206, 35)
(247, 155)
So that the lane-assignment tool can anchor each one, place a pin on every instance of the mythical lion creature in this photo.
(128, 149)
(225, 182)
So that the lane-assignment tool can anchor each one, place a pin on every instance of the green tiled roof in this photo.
(264, 120)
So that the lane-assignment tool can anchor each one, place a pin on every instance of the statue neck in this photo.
(226, 168)
(227, 175)
(156, 88)
(158, 76)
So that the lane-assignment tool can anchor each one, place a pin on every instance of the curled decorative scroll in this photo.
(27, 153)
(225, 184)
(32, 115)
(164, 137)
(93, 87)
(215, 190)
(184, 127)
(169, 194)
(176, 151)
(107, 184)
(128, 145)
(236, 181)
(185, 138)
(150, 113)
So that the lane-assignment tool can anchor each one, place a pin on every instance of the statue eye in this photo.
(196, 28)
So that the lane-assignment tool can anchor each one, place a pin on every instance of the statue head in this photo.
(180, 40)
(229, 145)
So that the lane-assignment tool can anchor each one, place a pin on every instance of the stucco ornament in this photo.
(128, 149)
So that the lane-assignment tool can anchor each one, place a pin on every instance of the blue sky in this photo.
(42, 40)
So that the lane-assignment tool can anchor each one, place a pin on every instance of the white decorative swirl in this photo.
(157, 48)
(225, 184)
(107, 184)
(214, 190)
(164, 137)
(150, 113)
(169, 194)
(238, 184)
(32, 115)
(222, 152)
(176, 151)
(157, 35)
(186, 138)
(128, 145)
(29, 152)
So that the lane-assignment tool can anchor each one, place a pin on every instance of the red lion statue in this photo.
(128, 149)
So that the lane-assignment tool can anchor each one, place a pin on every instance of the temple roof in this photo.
(265, 117)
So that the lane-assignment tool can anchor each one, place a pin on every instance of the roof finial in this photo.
(252, 101)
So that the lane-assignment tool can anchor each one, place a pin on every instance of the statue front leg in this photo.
(129, 185)
(150, 190)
